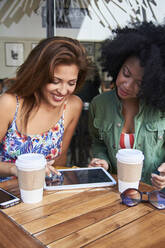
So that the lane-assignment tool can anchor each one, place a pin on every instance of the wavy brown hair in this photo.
(38, 70)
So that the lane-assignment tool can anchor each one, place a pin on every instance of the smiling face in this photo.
(64, 84)
(129, 79)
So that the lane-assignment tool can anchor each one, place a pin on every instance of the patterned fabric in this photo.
(126, 140)
(48, 143)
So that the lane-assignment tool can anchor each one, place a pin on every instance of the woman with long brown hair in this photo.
(39, 112)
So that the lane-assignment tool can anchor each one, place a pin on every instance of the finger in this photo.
(162, 168)
(157, 183)
(92, 165)
(98, 163)
(14, 170)
(50, 162)
(52, 169)
(94, 160)
(47, 171)
(158, 178)
(154, 184)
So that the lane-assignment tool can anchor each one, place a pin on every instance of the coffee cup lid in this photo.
(31, 161)
(130, 156)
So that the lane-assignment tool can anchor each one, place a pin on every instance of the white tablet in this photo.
(79, 178)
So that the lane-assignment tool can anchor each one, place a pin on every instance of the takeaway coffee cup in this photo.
(129, 168)
(31, 176)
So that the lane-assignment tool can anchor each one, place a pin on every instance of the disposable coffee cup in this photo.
(129, 168)
(31, 176)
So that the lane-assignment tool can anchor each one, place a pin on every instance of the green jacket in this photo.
(105, 126)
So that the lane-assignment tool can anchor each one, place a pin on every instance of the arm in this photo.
(99, 148)
(72, 114)
(7, 110)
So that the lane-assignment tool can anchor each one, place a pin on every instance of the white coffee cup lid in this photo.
(130, 156)
(31, 161)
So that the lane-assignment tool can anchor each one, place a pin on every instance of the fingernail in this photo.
(58, 173)
(97, 162)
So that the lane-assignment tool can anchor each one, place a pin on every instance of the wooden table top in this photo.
(88, 218)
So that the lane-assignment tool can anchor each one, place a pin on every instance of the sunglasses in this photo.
(131, 197)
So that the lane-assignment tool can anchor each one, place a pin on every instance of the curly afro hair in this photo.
(146, 41)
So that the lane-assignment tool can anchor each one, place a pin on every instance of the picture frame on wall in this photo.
(34, 45)
(91, 58)
(14, 53)
(90, 48)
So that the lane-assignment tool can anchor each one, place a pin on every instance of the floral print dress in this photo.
(48, 143)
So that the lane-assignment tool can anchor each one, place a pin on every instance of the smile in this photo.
(58, 98)
(122, 92)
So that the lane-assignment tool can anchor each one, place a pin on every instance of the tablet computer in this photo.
(79, 178)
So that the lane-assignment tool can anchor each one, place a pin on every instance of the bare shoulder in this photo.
(74, 108)
(7, 100)
(8, 104)
(75, 103)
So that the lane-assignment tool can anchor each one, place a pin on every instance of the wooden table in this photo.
(89, 218)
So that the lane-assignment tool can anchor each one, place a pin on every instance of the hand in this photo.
(158, 181)
(14, 171)
(97, 162)
(50, 169)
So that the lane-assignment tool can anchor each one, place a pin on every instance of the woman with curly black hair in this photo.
(133, 114)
